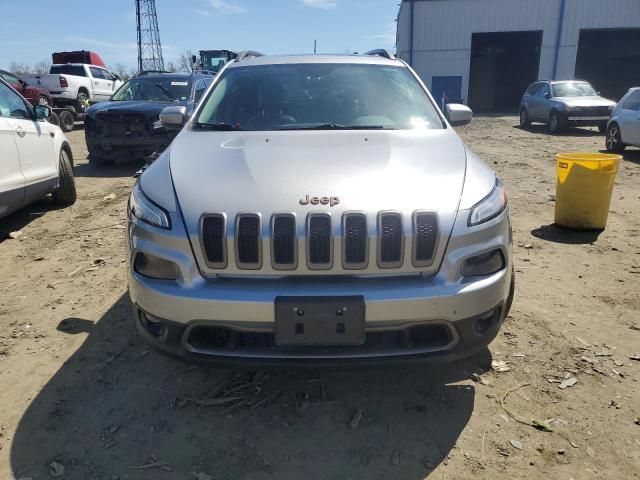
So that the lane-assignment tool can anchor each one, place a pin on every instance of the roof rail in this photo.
(248, 53)
(149, 72)
(382, 52)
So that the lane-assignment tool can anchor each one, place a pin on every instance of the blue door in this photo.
(448, 89)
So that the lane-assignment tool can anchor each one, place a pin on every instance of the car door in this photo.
(101, 91)
(629, 119)
(529, 100)
(109, 83)
(34, 142)
(11, 178)
(543, 103)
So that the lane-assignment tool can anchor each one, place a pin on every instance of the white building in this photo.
(486, 52)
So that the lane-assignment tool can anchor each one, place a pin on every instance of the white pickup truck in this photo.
(76, 84)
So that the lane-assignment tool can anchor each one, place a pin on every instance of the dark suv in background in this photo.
(561, 104)
(127, 127)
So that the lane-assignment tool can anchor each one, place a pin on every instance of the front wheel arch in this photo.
(67, 148)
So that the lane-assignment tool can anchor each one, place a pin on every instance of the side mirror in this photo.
(42, 111)
(458, 114)
(22, 82)
(547, 95)
(173, 117)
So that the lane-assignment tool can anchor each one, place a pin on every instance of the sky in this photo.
(269, 26)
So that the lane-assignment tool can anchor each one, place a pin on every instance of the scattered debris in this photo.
(355, 420)
(108, 198)
(620, 374)
(56, 469)
(39, 258)
(153, 463)
(15, 235)
(518, 355)
(614, 404)
(479, 379)
(516, 444)
(568, 382)
(202, 476)
(590, 360)
(604, 353)
(562, 451)
(635, 357)
(540, 425)
(528, 246)
(637, 421)
(500, 366)
(583, 342)
(395, 457)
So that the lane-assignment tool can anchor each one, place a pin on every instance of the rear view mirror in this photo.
(42, 111)
(173, 117)
(458, 114)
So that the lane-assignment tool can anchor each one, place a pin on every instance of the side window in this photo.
(96, 73)
(9, 78)
(544, 90)
(12, 105)
(633, 102)
(106, 74)
(533, 88)
(201, 87)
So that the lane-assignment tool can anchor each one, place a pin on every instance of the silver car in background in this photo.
(319, 209)
(563, 104)
(624, 126)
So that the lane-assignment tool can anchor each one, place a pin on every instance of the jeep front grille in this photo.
(360, 241)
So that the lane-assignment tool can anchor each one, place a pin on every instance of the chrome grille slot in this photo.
(390, 240)
(355, 241)
(425, 234)
(319, 241)
(214, 240)
(248, 242)
(283, 242)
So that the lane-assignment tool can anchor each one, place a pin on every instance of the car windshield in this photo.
(573, 89)
(213, 61)
(154, 89)
(318, 96)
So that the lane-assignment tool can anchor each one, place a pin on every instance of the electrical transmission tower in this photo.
(149, 48)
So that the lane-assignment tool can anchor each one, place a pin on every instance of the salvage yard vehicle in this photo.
(35, 155)
(561, 104)
(318, 209)
(213, 60)
(77, 84)
(624, 126)
(34, 95)
(128, 125)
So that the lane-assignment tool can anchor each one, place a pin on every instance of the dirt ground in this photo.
(83, 398)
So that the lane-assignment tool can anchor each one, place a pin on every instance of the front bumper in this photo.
(454, 316)
(139, 146)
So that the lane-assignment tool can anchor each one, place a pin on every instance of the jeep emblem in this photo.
(331, 201)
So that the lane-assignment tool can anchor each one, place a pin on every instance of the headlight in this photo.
(489, 207)
(144, 209)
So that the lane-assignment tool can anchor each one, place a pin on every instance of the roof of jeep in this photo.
(297, 59)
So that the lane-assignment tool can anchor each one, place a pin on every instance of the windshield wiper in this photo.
(165, 91)
(333, 126)
(222, 127)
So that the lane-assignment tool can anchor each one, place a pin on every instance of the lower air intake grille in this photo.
(213, 239)
(319, 243)
(284, 241)
(390, 240)
(248, 242)
(425, 227)
(355, 240)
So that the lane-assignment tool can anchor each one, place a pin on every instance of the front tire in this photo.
(613, 141)
(66, 192)
(556, 123)
(81, 102)
(67, 122)
(525, 121)
(42, 100)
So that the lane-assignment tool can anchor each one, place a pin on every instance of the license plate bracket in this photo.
(320, 321)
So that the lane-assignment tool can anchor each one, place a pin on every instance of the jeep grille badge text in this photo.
(331, 201)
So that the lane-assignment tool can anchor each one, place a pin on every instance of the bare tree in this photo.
(170, 67)
(184, 61)
(19, 68)
(122, 71)
(41, 67)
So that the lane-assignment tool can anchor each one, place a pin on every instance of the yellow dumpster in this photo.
(583, 191)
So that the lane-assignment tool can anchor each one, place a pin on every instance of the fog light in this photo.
(485, 264)
(155, 267)
(152, 324)
(487, 321)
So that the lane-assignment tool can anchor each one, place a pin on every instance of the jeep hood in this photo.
(270, 172)
(593, 101)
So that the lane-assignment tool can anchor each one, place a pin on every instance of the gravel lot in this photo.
(83, 398)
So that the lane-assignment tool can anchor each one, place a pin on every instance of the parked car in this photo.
(36, 156)
(34, 95)
(128, 125)
(561, 104)
(76, 84)
(624, 126)
(318, 209)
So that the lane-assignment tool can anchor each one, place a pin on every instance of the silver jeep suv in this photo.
(318, 209)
